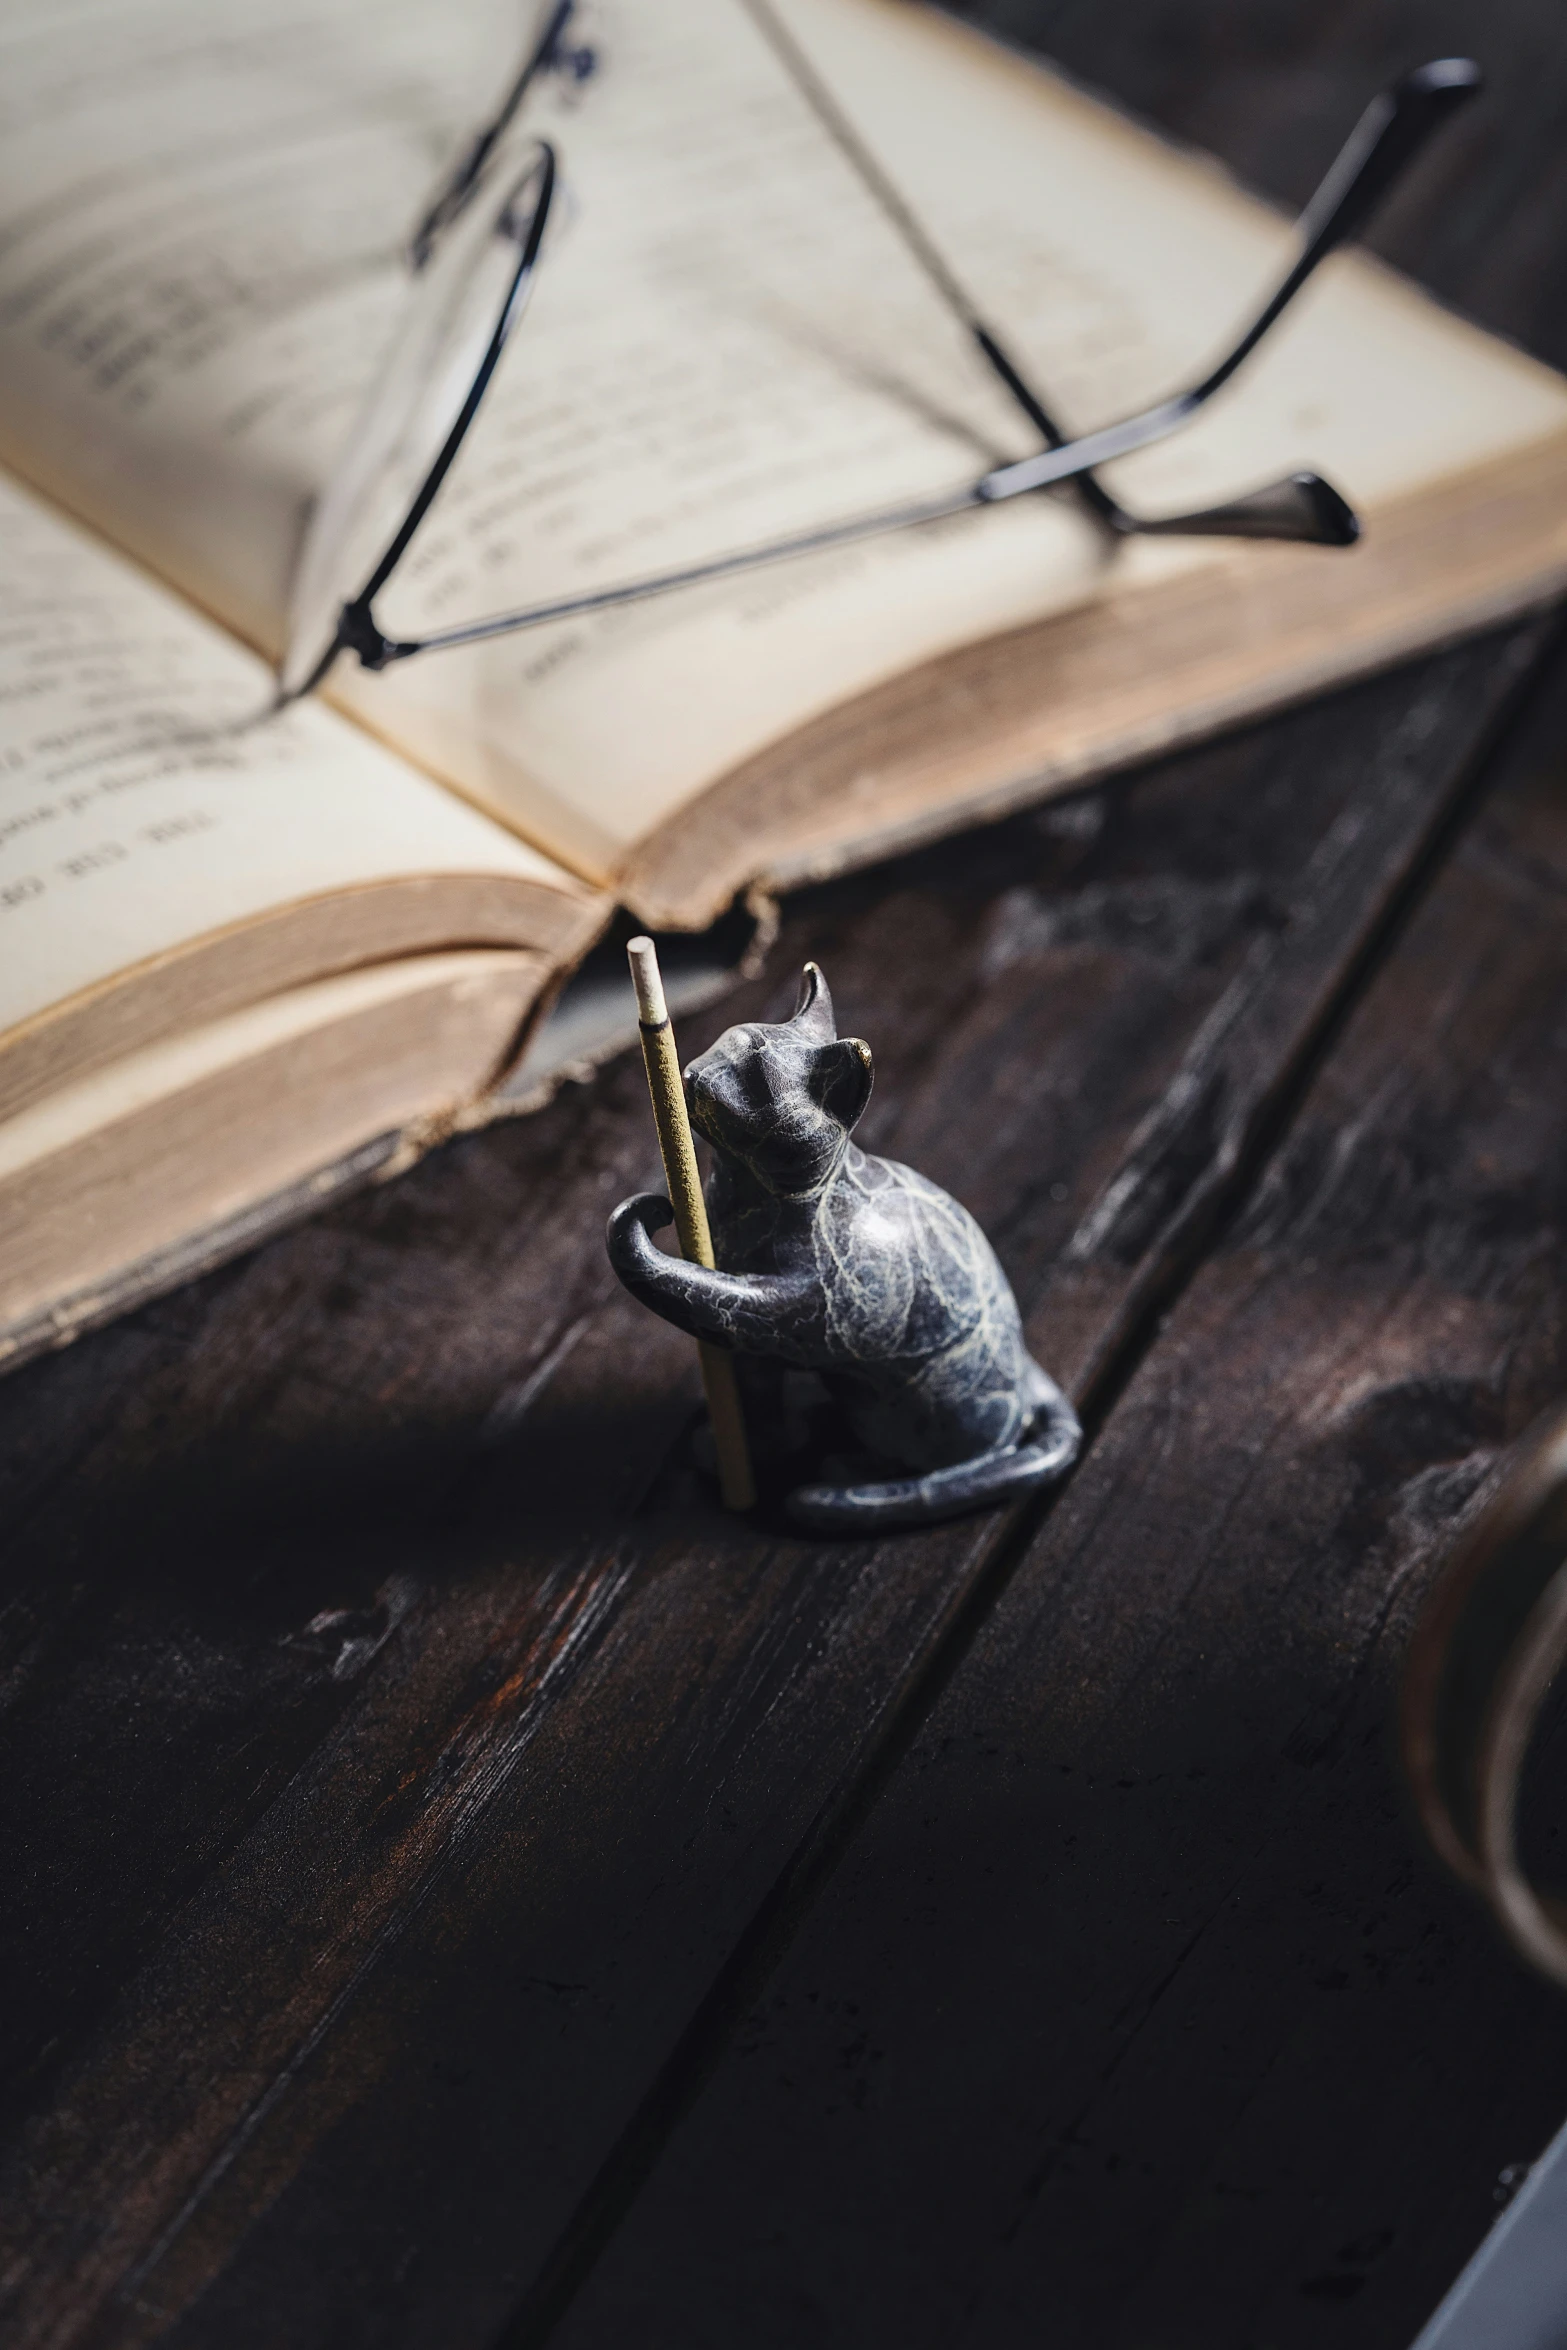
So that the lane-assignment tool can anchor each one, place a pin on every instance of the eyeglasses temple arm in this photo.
(1389, 135)
(358, 632)
(931, 261)
(1301, 507)
(1391, 132)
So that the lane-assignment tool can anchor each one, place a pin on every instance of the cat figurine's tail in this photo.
(1054, 1440)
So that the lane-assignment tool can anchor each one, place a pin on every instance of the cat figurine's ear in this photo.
(812, 1015)
(841, 1079)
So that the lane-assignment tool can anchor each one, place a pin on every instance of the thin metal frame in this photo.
(1302, 506)
(1389, 134)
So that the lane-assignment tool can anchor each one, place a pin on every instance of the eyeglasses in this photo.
(474, 257)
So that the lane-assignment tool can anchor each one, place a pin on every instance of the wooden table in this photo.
(462, 1890)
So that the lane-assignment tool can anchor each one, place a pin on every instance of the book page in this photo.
(201, 205)
(144, 804)
(200, 216)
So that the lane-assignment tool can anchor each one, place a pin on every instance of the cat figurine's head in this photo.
(783, 1098)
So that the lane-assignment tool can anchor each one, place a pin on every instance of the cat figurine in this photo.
(857, 1269)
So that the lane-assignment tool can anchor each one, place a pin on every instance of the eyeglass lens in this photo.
(462, 307)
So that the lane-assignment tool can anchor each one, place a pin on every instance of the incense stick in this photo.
(735, 1481)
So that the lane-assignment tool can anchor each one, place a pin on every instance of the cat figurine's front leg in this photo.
(855, 1268)
(751, 1312)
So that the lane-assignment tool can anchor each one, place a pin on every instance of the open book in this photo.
(242, 960)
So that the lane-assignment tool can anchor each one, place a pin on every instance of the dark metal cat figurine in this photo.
(857, 1269)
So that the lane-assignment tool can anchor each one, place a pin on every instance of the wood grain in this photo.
(1134, 2013)
(391, 1819)
(411, 1779)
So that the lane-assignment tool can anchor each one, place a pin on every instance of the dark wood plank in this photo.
(400, 2010)
(1136, 2012)
(292, 1681)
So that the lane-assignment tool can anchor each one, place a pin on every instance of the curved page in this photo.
(167, 853)
(200, 213)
